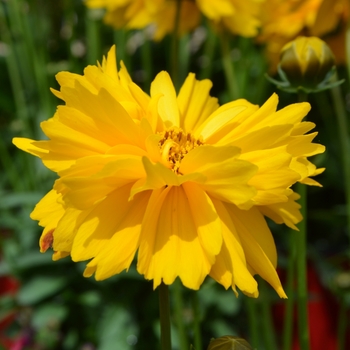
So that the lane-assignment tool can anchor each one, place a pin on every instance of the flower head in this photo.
(176, 178)
(239, 17)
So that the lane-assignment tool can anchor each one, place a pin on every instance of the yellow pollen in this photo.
(175, 144)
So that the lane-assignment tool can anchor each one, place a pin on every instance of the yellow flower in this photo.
(239, 17)
(178, 179)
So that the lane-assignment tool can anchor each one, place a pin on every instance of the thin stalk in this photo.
(164, 313)
(14, 74)
(266, 318)
(146, 57)
(228, 65)
(342, 324)
(288, 323)
(184, 57)
(120, 39)
(253, 318)
(347, 47)
(300, 240)
(175, 47)
(339, 106)
(208, 55)
(301, 265)
(178, 310)
(93, 36)
(196, 322)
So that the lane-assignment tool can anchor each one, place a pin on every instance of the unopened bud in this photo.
(306, 63)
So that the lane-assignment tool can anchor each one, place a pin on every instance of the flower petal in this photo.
(231, 260)
(195, 103)
(169, 244)
(226, 177)
(167, 106)
(106, 219)
(118, 254)
(258, 244)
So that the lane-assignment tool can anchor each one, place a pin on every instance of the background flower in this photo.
(282, 21)
(239, 17)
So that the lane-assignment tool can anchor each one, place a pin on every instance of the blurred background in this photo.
(50, 305)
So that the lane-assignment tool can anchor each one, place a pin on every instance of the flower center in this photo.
(174, 145)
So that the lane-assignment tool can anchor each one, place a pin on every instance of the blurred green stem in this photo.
(93, 36)
(347, 47)
(175, 47)
(300, 238)
(208, 54)
(178, 310)
(164, 312)
(146, 57)
(339, 106)
(196, 322)
(342, 324)
(288, 324)
(228, 65)
(251, 306)
(301, 263)
(120, 40)
(267, 323)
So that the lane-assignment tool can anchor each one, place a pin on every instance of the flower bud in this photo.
(306, 62)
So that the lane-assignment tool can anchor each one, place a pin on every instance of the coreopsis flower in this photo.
(177, 179)
(237, 16)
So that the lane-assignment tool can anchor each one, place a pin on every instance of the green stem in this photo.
(301, 266)
(175, 47)
(93, 35)
(253, 318)
(120, 40)
(267, 323)
(228, 65)
(339, 106)
(179, 314)
(196, 322)
(164, 313)
(288, 325)
(342, 324)
(146, 57)
(208, 54)
(347, 47)
(300, 238)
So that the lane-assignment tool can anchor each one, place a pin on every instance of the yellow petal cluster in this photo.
(175, 178)
(239, 17)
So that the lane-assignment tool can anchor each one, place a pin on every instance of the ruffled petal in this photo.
(167, 106)
(169, 244)
(258, 244)
(119, 252)
(195, 103)
(226, 177)
(230, 268)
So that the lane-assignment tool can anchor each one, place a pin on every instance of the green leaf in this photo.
(39, 289)
(117, 330)
(228, 342)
